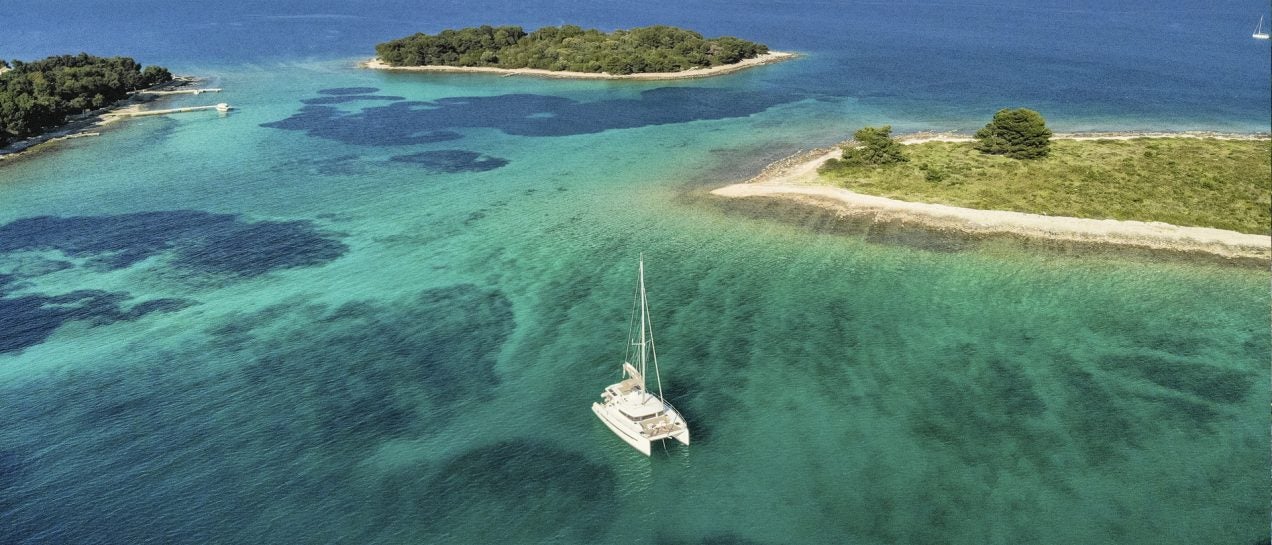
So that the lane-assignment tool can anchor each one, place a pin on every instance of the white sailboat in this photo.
(1259, 33)
(627, 408)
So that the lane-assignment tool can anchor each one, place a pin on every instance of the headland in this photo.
(89, 123)
(796, 178)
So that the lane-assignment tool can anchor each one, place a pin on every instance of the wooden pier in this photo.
(222, 107)
(181, 91)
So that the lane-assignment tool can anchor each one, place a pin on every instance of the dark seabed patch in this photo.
(199, 241)
(1096, 417)
(462, 327)
(350, 98)
(695, 400)
(717, 539)
(531, 488)
(451, 161)
(372, 367)
(982, 420)
(1203, 380)
(1183, 413)
(11, 469)
(28, 320)
(408, 122)
(366, 130)
(179, 439)
(347, 90)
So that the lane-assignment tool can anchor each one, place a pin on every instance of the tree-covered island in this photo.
(652, 49)
(41, 95)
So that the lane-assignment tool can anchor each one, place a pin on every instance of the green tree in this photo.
(1018, 133)
(875, 147)
(154, 75)
(41, 94)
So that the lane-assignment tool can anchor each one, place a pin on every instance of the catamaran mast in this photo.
(642, 321)
(645, 321)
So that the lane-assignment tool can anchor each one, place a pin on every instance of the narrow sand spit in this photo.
(767, 58)
(795, 178)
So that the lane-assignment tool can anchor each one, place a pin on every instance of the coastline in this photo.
(86, 124)
(921, 137)
(795, 178)
(767, 58)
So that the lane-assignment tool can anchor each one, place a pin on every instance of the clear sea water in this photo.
(374, 308)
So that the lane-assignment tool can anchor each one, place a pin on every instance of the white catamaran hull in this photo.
(635, 440)
(625, 430)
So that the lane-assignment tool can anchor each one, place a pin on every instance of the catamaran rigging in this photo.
(627, 408)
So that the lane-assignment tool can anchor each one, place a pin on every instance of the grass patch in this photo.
(1226, 184)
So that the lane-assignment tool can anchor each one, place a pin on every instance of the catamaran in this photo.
(627, 408)
(1259, 34)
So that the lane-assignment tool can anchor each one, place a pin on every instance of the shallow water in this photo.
(373, 307)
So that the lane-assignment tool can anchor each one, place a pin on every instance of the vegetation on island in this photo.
(1207, 182)
(875, 146)
(40, 95)
(1020, 134)
(639, 50)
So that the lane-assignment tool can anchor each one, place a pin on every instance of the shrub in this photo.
(875, 147)
(1020, 134)
(933, 174)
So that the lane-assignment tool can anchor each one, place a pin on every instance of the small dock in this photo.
(182, 91)
(222, 107)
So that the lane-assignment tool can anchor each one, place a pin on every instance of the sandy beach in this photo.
(795, 178)
(767, 58)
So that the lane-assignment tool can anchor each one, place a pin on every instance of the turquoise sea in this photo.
(374, 308)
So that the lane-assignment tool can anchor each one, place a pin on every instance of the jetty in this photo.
(180, 91)
(222, 107)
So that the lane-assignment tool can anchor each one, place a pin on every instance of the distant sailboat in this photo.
(1259, 33)
(627, 408)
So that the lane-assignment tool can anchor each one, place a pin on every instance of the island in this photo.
(653, 52)
(38, 96)
(1189, 192)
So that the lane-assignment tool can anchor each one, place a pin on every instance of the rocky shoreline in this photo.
(90, 122)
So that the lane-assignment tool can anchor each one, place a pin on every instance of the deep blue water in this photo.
(1084, 64)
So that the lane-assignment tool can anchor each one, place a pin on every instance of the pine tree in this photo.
(1020, 134)
(875, 147)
